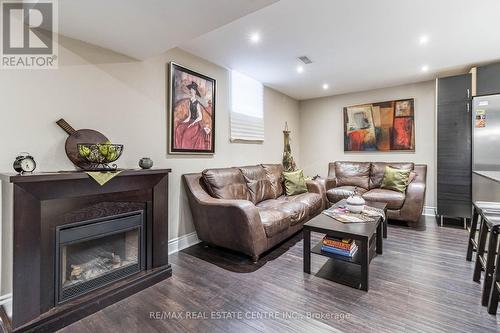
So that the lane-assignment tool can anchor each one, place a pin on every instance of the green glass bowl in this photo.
(99, 155)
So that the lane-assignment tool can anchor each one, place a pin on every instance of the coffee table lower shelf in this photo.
(355, 259)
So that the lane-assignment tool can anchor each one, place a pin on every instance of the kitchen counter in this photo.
(486, 186)
(493, 175)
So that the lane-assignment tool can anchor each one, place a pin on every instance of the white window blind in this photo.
(247, 108)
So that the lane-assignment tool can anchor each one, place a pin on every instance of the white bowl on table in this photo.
(355, 204)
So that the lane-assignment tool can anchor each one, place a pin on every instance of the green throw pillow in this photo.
(294, 182)
(395, 179)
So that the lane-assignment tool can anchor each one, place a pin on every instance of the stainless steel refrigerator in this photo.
(486, 148)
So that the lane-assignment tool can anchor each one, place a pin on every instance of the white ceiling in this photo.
(355, 45)
(146, 28)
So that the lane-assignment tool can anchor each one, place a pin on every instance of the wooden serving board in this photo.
(77, 137)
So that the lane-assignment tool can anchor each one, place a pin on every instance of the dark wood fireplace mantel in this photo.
(44, 202)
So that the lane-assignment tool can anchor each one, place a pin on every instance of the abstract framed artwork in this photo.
(191, 111)
(384, 126)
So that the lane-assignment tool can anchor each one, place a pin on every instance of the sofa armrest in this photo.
(415, 196)
(233, 224)
(330, 182)
(318, 186)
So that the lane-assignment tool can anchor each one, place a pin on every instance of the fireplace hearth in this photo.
(79, 246)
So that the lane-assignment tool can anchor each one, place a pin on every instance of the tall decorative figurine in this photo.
(288, 162)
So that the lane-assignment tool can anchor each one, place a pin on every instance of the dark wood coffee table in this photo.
(366, 235)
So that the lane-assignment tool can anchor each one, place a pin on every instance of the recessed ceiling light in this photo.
(325, 86)
(255, 37)
(300, 69)
(425, 68)
(424, 39)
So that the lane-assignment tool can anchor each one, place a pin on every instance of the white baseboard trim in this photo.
(429, 211)
(182, 242)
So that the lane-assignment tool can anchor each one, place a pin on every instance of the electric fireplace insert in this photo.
(92, 254)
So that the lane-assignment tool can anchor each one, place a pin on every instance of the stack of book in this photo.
(343, 247)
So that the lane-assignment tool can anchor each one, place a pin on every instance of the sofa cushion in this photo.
(226, 183)
(336, 194)
(258, 183)
(393, 199)
(353, 174)
(377, 171)
(295, 182)
(312, 200)
(297, 211)
(274, 221)
(274, 173)
(396, 179)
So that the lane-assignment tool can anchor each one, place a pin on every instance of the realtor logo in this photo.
(29, 34)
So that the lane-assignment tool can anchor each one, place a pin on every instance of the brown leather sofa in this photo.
(344, 177)
(244, 208)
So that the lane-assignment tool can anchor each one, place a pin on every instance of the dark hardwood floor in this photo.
(421, 283)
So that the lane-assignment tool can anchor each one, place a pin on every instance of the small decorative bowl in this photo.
(99, 155)
(355, 204)
(146, 163)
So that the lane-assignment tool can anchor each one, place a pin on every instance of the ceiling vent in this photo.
(305, 60)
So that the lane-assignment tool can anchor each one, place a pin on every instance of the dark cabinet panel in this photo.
(488, 79)
(459, 208)
(453, 89)
(454, 151)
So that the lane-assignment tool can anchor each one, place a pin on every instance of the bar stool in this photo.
(477, 208)
(495, 289)
(490, 225)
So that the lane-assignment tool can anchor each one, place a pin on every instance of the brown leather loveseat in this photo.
(245, 209)
(366, 177)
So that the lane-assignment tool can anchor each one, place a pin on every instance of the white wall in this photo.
(126, 100)
(322, 134)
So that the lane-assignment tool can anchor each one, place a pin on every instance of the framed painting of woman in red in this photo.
(192, 111)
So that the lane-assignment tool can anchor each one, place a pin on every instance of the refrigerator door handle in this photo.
(468, 93)
(468, 107)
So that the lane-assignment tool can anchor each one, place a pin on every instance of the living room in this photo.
(265, 165)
